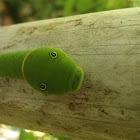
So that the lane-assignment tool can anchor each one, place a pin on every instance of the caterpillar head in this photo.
(51, 71)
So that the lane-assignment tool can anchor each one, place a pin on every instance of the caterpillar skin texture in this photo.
(48, 70)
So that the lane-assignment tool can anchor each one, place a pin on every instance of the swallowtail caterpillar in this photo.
(48, 70)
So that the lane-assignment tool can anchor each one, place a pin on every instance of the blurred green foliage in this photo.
(27, 136)
(31, 136)
(26, 10)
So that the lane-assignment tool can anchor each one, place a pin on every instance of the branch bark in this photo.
(107, 46)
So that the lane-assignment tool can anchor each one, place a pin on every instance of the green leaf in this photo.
(84, 5)
(27, 135)
(68, 7)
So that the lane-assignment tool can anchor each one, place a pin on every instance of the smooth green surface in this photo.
(11, 64)
(58, 74)
(49, 74)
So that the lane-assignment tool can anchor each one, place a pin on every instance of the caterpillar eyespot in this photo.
(53, 54)
(42, 86)
(34, 66)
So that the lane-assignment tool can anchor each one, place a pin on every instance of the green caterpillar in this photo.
(48, 70)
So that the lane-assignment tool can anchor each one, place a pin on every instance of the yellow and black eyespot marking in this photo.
(43, 86)
(53, 54)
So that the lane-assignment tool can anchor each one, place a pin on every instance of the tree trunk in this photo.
(107, 107)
